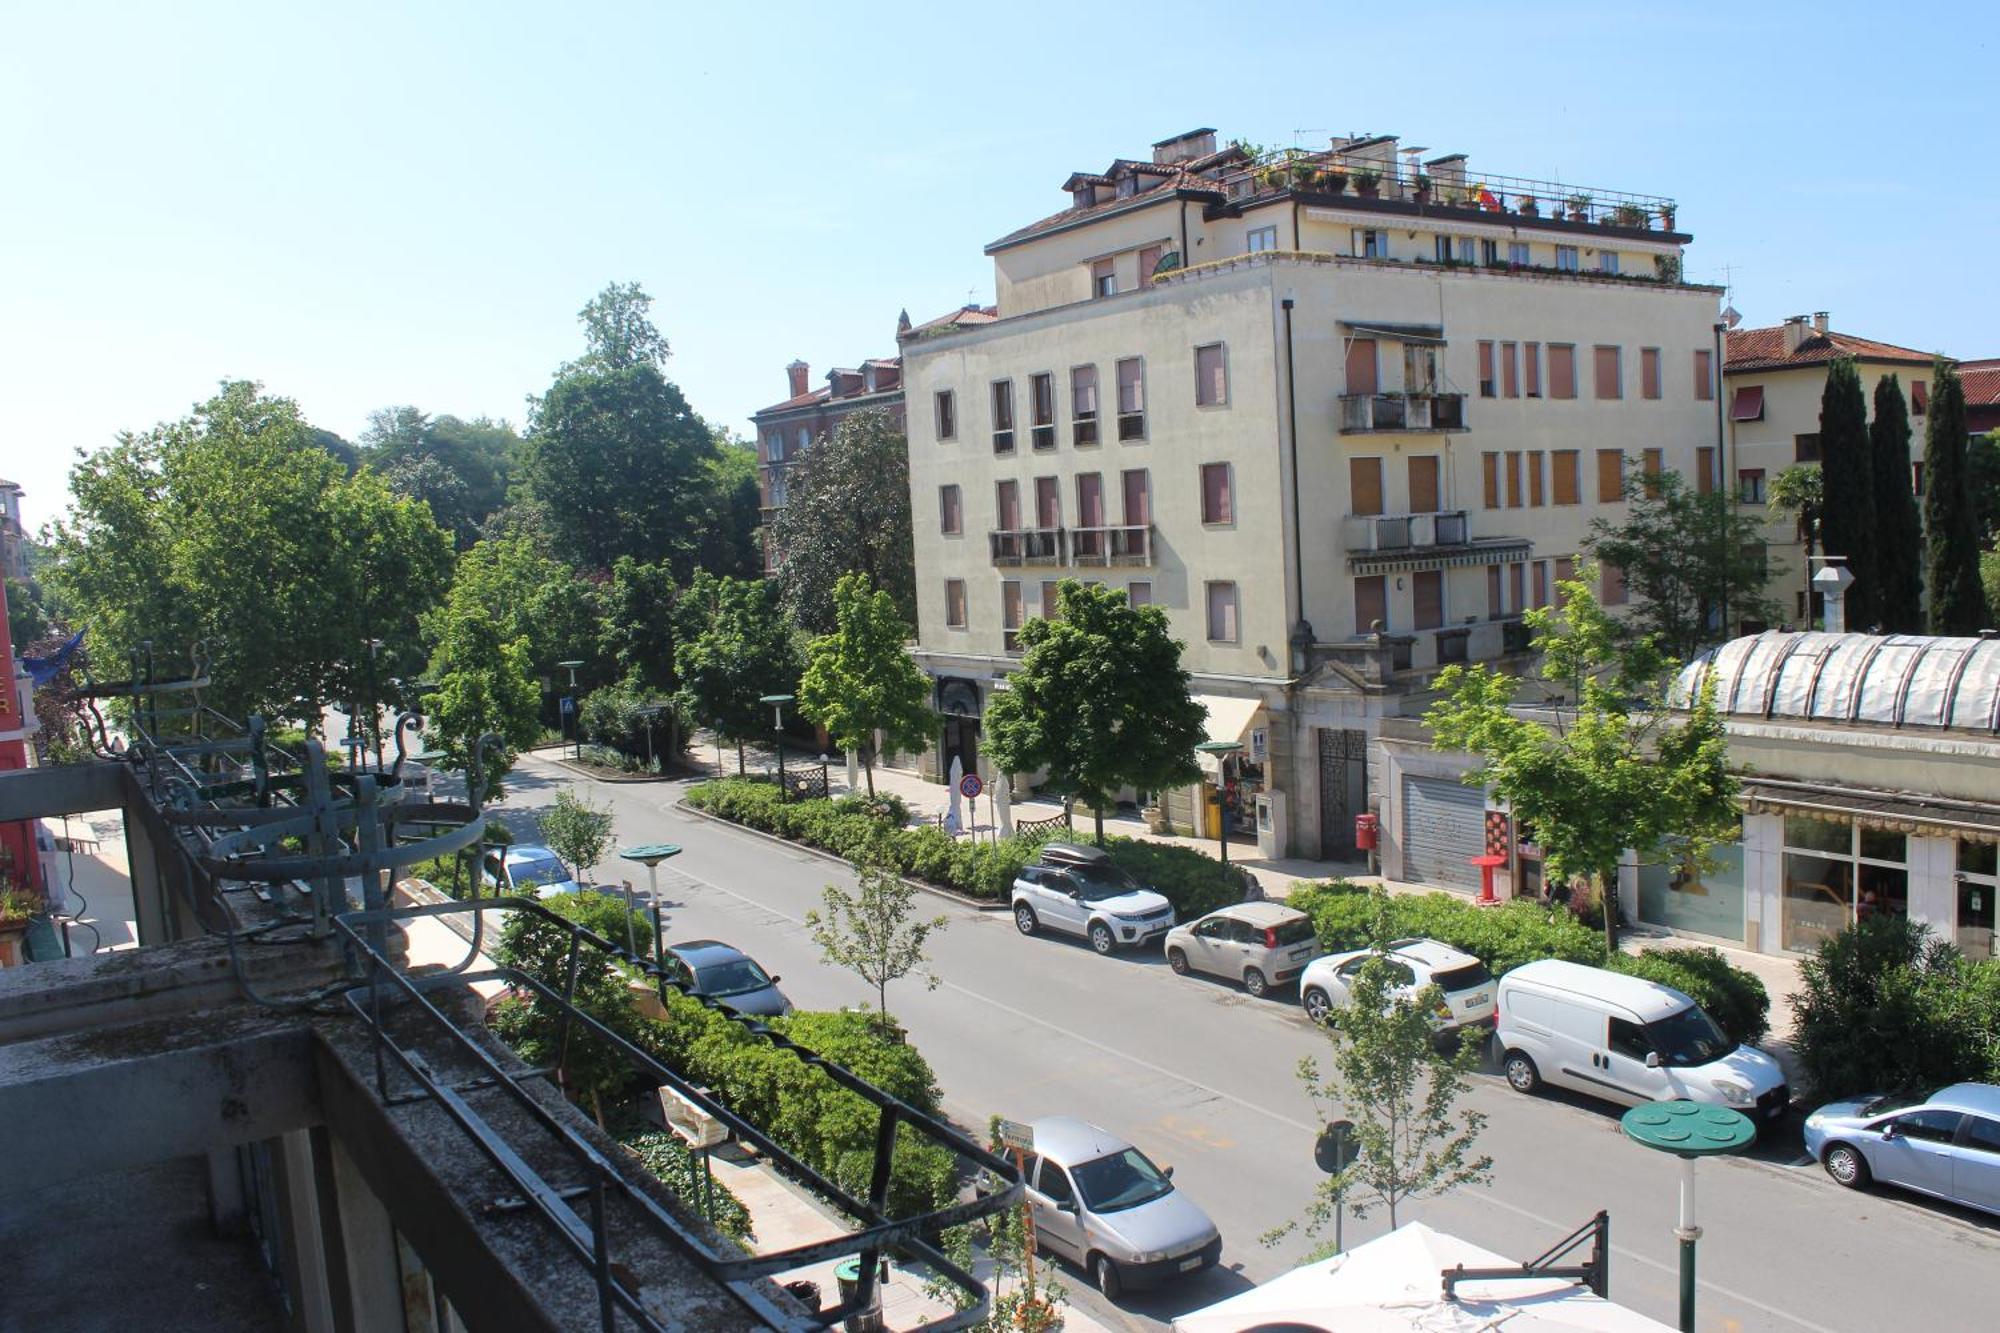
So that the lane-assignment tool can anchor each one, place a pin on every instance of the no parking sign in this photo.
(970, 786)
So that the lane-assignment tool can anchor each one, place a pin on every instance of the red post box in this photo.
(1367, 832)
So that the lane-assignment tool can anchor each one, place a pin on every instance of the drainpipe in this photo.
(1298, 533)
(1187, 260)
(1728, 478)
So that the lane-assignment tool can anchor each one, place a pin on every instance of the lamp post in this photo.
(569, 708)
(650, 855)
(374, 705)
(1688, 1130)
(778, 702)
(1221, 750)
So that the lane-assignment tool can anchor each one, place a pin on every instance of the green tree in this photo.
(483, 685)
(847, 510)
(728, 539)
(461, 469)
(1687, 555)
(735, 648)
(1100, 701)
(577, 831)
(1848, 526)
(638, 625)
(1611, 770)
(859, 680)
(870, 932)
(28, 620)
(1982, 482)
(1899, 534)
(589, 1068)
(536, 599)
(1951, 550)
(1799, 493)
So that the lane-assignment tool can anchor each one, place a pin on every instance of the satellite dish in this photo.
(1730, 316)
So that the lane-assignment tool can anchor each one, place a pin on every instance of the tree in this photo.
(1899, 534)
(859, 680)
(1799, 493)
(1100, 701)
(1848, 527)
(1982, 482)
(588, 1067)
(1687, 555)
(1951, 549)
(870, 933)
(28, 619)
(726, 541)
(577, 831)
(534, 598)
(483, 685)
(735, 648)
(461, 469)
(1610, 771)
(847, 510)
(638, 625)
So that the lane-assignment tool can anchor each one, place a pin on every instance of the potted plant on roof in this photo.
(1368, 183)
(1423, 188)
(1333, 182)
(1305, 175)
(1529, 208)
(17, 911)
(1666, 217)
(1629, 215)
(1579, 207)
(1273, 175)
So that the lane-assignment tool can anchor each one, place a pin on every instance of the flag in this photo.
(42, 670)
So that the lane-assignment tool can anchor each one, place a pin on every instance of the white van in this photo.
(1627, 1040)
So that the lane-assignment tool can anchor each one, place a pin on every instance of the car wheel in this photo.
(1105, 1274)
(1101, 938)
(1844, 1162)
(1317, 1005)
(1024, 918)
(1522, 1076)
(1253, 981)
(1177, 961)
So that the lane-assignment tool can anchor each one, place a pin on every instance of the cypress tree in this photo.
(1899, 536)
(1951, 544)
(1847, 526)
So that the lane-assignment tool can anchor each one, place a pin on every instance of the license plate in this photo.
(1479, 1002)
(1191, 1263)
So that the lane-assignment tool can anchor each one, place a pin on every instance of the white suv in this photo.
(1076, 889)
(1468, 987)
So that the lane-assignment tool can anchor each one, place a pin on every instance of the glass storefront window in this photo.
(1879, 846)
(1835, 874)
(1819, 899)
(1977, 887)
(1819, 835)
(1684, 898)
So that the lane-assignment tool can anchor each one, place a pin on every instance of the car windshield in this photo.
(1462, 978)
(1122, 1180)
(1894, 1101)
(738, 976)
(1101, 881)
(542, 870)
(1293, 932)
(1689, 1037)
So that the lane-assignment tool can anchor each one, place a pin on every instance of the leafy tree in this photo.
(1687, 555)
(589, 1068)
(1100, 701)
(1799, 493)
(1982, 482)
(577, 831)
(638, 605)
(870, 933)
(859, 680)
(461, 469)
(727, 539)
(27, 614)
(735, 648)
(1611, 771)
(536, 599)
(483, 685)
(1951, 553)
(847, 510)
(1848, 526)
(1899, 534)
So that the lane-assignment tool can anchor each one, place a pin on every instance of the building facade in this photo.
(13, 537)
(785, 430)
(1342, 437)
(1982, 394)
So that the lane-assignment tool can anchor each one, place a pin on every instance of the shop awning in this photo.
(1229, 717)
(1891, 812)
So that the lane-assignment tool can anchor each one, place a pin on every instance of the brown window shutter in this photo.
(1517, 575)
(1704, 374)
(1510, 371)
(1531, 354)
(1427, 598)
(1364, 483)
(1536, 498)
(1361, 365)
(1423, 483)
(1513, 479)
(1704, 469)
(1649, 371)
(1371, 603)
(1485, 369)
(1610, 476)
(1568, 487)
(1492, 465)
(1609, 382)
(1495, 607)
(1562, 370)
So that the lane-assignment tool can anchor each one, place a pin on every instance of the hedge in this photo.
(661, 1152)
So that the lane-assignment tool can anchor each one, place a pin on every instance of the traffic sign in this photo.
(970, 786)
(1336, 1148)
(1014, 1134)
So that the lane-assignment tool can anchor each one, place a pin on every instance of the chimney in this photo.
(1832, 583)
(1819, 322)
(799, 372)
(1795, 333)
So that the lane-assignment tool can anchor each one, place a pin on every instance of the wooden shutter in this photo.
(1364, 484)
(1513, 479)
(1138, 498)
(1361, 365)
(1048, 503)
(1649, 371)
(1423, 484)
(1510, 371)
(1517, 574)
(1371, 603)
(1491, 464)
(1427, 598)
(1485, 369)
(950, 517)
(1541, 583)
(1609, 383)
(1495, 605)
(1010, 604)
(1704, 374)
(1216, 506)
(1565, 571)
(1704, 469)
(1568, 488)
(1536, 498)
(1211, 381)
(1531, 354)
(1048, 599)
(1562, 370)
(1007, 504)
(1149, 259)
(1089, 500)
(1610, 476)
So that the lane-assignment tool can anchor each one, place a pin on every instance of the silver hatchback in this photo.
(1260, 944)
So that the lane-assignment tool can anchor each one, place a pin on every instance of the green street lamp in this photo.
(650, 855)
(778, 702)
(569, 724)
(1688, 1130)
(1221, 750)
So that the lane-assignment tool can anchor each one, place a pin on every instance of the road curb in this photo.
(619, 780)
(950, 895)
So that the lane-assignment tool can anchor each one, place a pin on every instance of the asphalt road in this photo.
(1202, 1077)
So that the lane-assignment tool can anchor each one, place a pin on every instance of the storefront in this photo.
(1237, 778)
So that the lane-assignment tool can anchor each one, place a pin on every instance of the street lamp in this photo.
(1221, 750)
(650, 855)
(778, 702)
(374, 705)
(1688, 1130)
(569, 706)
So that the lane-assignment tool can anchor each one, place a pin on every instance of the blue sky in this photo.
(362, 204)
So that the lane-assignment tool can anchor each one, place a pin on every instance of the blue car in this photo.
(1947, 1146)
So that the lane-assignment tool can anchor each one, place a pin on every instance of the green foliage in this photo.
(1982, 485)
(727, 540)
(28, 620)
(603, 756)
(591, 1068)
(1898, 531)
(1518, 931)
(1734, 998)
(1951, 547)
(616, 718)
(638, 625)
(860, 681)
(529, 596)
(870, 932)
(483, 686)
(576, 831)
(1100, 701)
(735, 648)
(847, 511)
(460, 469)
(1666, 524)
(1196, 884)
(1848, 527)
(1799, 493)
(662, 1153)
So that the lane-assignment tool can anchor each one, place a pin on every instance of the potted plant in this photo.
(1272, 176)
(17, 910)
(1368, 183)
(1579, 207)
(1629, 215)
(1334, 182)
(1666, 217)
(1529, 209)
(1305, 175)
(1423, 188)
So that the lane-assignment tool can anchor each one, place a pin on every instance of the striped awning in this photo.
(1891, 812)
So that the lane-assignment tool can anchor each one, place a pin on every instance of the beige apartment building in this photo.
(1342, 415)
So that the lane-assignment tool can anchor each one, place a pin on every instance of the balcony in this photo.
(1364, 413)
(1027, 546)
(1439, 539)
(1124, 545)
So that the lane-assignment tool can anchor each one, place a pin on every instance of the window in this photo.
(1486, 387)
(1704, 469)
(1565, 571)
(1010, 615)
(1518, 254)
(947, 415)
(1517, 578)
(1441, 248)
(1427, 599)
(1510, 370)
(1372, 243)
(1496, 603)
(1217, 503)
(1628, 1039)
(1007, 505)
(1610, 379)
(1042, 402)
(1465, 250)
(954, 603)
(1513, 479)
(1567, 464)
(1263, 238)
(1103, 280)
(1750, 485)
(1423, 477)
(1371, 604)
(1747, 403)
(1131, 399)
(1149, 260)
(1607, 261)
(1049, 587)
(1920, 398)
(1933, 1125)
(1651, 463)
(1649, 372)
(1531, 362)
(1055, 1184)
(1835, 874)
(1361, 366)
(1541, 583)
(1489, 253)
(1704, 375)
(1805, 448)
(1364, 485)
(1614, 592)
(1138, 498)
(1610, 476)
(1566, 258)
(1048, 503)
(1089, 539)
(1003, 416)
(1139, 592)
(1222, 613)
(774, 445)
(1083, 404)
(951, 511)
(1491, 464)
(1536, 496)
(805, 439)
(1562, 370)
(1981, 1135)
(1211, 376)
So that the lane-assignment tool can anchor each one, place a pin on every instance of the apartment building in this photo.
(1342, 436)
(13, 537)
(1982, 394)
(1774, 379)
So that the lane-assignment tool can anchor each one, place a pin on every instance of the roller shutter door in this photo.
(1444, 822)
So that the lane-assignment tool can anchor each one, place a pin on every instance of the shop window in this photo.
(1836, 874)
(1685, 897)
(1977, 886)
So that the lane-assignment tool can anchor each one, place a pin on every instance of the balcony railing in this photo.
(1361, 412)
(1362, 534)
(1027, 546)
(1122, 545)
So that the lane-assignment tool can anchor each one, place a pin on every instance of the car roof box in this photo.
(1073, 854)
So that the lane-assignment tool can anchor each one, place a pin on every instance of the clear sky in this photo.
(363, 204)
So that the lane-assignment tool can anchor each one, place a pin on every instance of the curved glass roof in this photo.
(1896, 680)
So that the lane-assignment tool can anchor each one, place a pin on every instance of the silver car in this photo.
(1260, 944)
(1465, 986)
(526, 866)
(1102, 1204)
(1948, 1146)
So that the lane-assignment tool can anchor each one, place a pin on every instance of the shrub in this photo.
(616, 760)
(1194, 883)
(1502, 937)
(610, 717)
(662, 1153)
(1735, 999)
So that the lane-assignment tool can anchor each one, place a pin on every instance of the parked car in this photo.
(1466, 984)
(1101, 1203)
(1627, 1040)
(1947, 1146)
(1260, 944)
(1076, 889)
(528, 865)
(724, 972)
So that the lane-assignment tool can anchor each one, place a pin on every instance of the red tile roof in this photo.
(1183, 180)
(963, 317)
(1764, 349)
(1982, 382)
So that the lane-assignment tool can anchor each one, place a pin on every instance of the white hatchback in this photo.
(1468, 988)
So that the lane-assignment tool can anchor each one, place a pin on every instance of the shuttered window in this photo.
(1536, 497)
(1218, 505)
(1371, 603)
(1565, 571)
(1491, 463)
(1704, 469)
(1211, 376)
(1704, 375)
(1048, 503)
(1609, 378)
(1517, 576)
(1649, 372)
(1541, 583)
(1222, 612)
(1496, 605)
(1562, 370)
(954, 603)
(1131, 399)
(1427, 598)
(947, 415)
(1568, 485)
(1652, 463)
(1424, 484)
(1513, 479)
(1510, 370)
(1531, 363)
(1007, 505)
(1049, 587)
(1486, 389)
(951, 511)
(1613, 580)
(1361, 365)
(1364, 484)
(1610, 476)
(1083, 404)
(1138, 498)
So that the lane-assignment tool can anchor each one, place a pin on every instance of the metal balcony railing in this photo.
(1126, 544)
(1362, 412)
(1027, 546)
(1366, 533)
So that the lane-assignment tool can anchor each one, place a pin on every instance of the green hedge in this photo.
(662, 1153)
